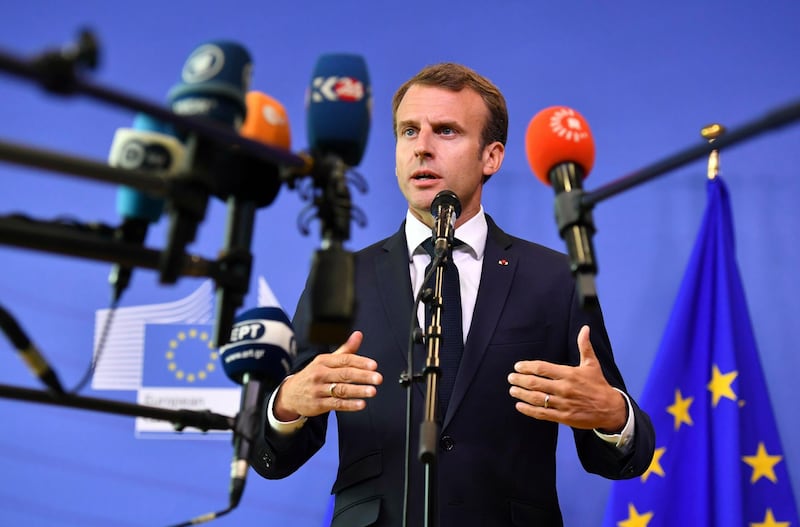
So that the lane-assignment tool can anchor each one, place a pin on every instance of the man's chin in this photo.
(423, 197)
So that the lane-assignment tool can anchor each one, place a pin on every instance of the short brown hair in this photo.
(456, 77)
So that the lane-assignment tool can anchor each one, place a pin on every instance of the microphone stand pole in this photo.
(180, 419)
(82, 241)
(332, 278)
(574, 207)
(429, 427)
(777, 118)
(145, 181)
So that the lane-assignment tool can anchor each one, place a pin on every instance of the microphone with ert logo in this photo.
(258, 356)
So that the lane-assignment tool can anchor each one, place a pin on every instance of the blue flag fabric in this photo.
(718, 459)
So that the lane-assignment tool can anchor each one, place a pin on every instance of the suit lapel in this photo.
(499, 267)
(394, 287)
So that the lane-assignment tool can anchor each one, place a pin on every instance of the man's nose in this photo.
(422, 146)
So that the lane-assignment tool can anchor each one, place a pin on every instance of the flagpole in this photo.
(709, 448)
(711, 132)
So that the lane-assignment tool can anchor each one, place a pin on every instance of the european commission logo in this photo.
(181, 355)
(165, 353)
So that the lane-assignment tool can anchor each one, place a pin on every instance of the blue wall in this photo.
(646, 77)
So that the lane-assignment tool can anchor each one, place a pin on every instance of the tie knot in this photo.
(427, 245)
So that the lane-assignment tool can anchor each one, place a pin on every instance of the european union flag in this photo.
(718, 459)
(181, 355)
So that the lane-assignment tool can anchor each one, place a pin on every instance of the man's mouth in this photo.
(423, 176)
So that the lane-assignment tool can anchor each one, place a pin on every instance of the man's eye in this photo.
(408, 132)
(446, 130)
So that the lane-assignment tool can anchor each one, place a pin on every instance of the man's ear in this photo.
(493, 155)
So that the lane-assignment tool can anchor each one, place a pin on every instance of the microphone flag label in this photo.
(203, 64)
(566, 124)
(346, 89)
(165, 354)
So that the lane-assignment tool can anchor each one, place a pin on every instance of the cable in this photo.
(101, 344)
(204, 518)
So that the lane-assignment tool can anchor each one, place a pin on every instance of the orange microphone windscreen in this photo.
(556, 135)
(266, 121)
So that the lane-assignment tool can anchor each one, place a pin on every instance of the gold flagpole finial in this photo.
(711, 132)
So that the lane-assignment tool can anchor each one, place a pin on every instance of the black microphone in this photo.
(560, 151)
(338, 119)
(251, 184)
(213, 84)
(28, 351)
(258, 356)
(151, 146)
(445, 208)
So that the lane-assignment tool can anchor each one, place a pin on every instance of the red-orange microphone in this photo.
(560, 151)
(251, 179)
(248, 184)
(558, 135)
(266, 121)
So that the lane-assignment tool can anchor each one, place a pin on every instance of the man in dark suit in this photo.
(528, 362)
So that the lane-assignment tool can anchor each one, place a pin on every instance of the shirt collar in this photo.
(473, 233)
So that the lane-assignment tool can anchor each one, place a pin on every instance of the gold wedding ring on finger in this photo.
(546, 404)
(331, 388)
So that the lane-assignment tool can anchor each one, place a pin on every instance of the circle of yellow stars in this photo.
(174, 367)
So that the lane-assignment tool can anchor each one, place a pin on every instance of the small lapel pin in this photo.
(503, 262)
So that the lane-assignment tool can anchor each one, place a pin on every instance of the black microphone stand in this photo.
(574, 207)
(247, 186)
(429, 426)
(84, 240)
(332, 276)
(180, 419)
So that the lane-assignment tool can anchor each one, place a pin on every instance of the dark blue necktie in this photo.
(452, 345)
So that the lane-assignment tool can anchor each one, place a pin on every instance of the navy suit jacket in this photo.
(496, 467)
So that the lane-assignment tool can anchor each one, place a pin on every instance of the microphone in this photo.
(29, 352)
(151, 146)
(560, 151)
(445, 208)
(214, 80)
(251, 184)
(258, 356)
(339, 104)
(266, 121)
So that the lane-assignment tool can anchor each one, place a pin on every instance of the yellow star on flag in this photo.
(680, 409)
(769, 521)
(635, 519)
(763, 464)
(720, 385)
(655, 465)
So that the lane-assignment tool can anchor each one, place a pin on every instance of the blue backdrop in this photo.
(646, 77)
